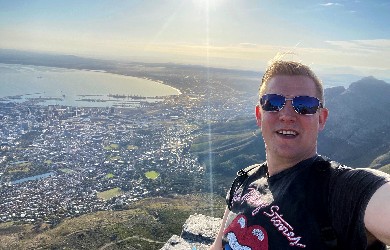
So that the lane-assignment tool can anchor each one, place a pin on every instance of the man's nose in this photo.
(288, 113)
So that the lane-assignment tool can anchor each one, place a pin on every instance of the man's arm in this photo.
(377, 215)
(217, 245)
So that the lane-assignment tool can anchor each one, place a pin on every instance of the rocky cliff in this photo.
(356, 132)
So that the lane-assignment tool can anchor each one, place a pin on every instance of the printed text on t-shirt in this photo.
(253, 198)
(282, 226)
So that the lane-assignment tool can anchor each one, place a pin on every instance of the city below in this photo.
(79, 160)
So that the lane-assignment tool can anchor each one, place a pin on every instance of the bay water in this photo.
(81, 88)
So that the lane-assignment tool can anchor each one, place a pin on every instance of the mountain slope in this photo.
(147, 224)
(357, 130)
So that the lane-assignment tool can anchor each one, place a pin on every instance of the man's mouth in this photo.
(289, 133)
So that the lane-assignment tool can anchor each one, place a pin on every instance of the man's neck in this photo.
(278, 164)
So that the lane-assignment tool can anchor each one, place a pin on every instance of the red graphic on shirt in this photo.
(242, 237)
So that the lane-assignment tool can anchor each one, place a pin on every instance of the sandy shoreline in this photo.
(144, 78)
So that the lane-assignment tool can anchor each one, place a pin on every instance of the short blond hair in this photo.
(290, 68)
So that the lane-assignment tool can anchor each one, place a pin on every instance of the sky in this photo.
(338, 37)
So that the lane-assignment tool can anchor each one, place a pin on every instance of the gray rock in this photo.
(201, 228)
(199, 232)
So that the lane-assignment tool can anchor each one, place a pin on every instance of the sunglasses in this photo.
(304, 105)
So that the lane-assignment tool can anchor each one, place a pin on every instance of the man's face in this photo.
(287, 134)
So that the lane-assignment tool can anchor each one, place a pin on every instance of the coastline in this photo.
(105, 71)
(160, 82)
(144, 78)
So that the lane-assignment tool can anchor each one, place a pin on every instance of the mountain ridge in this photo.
(357, 122)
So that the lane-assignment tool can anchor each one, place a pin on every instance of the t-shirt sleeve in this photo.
(349, 193)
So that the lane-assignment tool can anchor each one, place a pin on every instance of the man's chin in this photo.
(287, 154)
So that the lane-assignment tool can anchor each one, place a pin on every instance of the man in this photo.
(296, 199)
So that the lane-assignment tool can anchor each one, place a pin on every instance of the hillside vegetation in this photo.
(230, 144)
(225, 147)
(147, 224)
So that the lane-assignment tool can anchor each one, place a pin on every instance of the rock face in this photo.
(357, 130)
(199, 232)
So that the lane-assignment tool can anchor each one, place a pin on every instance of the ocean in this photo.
(80, 88)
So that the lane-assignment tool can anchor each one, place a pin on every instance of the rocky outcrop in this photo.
(356, 132)
(199, 232)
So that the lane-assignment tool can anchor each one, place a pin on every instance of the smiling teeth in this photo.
(287, 132)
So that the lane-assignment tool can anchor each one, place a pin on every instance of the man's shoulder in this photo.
(354, 182)
(337, 169)
(342, 171)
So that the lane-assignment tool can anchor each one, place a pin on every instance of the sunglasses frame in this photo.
(319, 106)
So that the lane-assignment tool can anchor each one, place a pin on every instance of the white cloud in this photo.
(371, 57)
(331, 4)
(370, 46)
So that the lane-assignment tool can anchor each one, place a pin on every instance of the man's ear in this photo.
(324, 112)
(258, 115)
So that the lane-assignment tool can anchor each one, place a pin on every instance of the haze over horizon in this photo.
(343, 37)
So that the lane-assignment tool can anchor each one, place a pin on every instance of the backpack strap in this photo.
(242, 175)
(319, 199)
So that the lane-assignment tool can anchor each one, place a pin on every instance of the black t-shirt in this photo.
(275, 212)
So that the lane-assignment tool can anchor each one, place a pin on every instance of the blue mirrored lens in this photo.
(305, 105)
(272, 102)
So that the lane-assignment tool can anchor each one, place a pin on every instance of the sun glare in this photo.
(206, 5)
